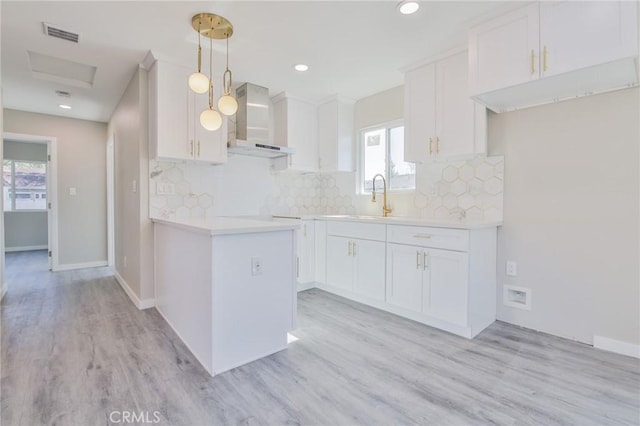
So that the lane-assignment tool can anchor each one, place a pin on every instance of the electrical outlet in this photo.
(165, 188)
(134, 186)
(512, 268)
(256, 266)
(73, 191)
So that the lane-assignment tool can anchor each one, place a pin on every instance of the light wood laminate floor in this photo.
(74, 349)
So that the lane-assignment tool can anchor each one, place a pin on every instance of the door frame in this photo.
(52, 189)
(111, 200)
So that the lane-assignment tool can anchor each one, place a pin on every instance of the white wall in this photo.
(571, 215)
(25, 229)
(129, 126)
(82, 219)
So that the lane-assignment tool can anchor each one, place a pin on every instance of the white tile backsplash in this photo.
(471, 189)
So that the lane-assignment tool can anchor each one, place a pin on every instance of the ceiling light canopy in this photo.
(407, 7)
(213, 27)
(301, 67)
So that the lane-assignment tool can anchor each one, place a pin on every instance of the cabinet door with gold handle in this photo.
(418, 256)
(533, 62)
(430, 146)
(437, 145)
(350, 251)
(191, 147)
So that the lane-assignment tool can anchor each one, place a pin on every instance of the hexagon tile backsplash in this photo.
(307, 194)
(471, 190)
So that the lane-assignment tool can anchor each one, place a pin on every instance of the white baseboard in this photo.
(617, 346)
(306, 286)
(26, 248)
(140, 304)
(71, 266)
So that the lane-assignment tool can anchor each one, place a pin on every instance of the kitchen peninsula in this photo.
(227, 286)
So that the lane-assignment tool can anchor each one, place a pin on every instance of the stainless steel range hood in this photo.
(251, 135)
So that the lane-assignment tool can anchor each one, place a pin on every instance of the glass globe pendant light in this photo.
(227, 104)
(210, 119)
(198, 82)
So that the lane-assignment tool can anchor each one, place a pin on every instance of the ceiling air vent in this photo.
(52, 31)
(63, 94)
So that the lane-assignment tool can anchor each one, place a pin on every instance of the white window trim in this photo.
(360, 161)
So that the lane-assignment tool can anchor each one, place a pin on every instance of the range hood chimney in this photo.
(251, 136)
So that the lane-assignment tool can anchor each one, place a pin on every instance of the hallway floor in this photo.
(75, 350)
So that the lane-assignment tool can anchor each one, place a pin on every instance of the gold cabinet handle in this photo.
(418, 259)
(437, 145)
(354, 248)
(544, 58)
(191, 147)
(198, 148)
(425, 260)
(430, 146)
(425, 236)
(533, 62)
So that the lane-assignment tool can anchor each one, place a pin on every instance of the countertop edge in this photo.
(408, 222)
(214, 230)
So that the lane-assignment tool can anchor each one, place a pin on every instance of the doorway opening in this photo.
(30, 203)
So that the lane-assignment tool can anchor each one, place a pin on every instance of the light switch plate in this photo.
(512, 268)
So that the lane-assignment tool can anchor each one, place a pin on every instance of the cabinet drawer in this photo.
(366, 231)
(444, 238)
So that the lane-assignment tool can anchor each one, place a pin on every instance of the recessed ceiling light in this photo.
(63, 106)
(407, 7)
(301, 67)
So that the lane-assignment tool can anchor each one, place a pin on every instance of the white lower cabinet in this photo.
(442, 277)
(305, 261)
(340, 265)
(357, 266)
(430, 281)
(445, 289)
(404, 277)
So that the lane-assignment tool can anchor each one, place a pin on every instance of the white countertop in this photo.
(412, 221)
(229, 225)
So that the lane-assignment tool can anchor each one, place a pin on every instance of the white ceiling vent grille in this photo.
(53, 31)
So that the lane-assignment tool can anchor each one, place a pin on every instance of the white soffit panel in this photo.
(61, 70)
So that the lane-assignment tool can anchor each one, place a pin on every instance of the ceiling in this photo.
(353, 49)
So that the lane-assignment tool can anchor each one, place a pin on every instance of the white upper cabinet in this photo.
(335, 135)
(501, 51)
(441, 121)
(296, 126)
(175, 130)
(553, 50)
(576, 35)
(168, 107)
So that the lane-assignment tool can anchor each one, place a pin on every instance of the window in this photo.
(383, 152)
(24, 185)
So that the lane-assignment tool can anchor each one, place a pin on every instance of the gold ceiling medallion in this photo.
(212, 26)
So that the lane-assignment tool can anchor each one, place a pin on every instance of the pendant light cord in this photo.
(199, 48)
(211, 69)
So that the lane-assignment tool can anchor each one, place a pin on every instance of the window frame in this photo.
(387, 126)
(12, 197)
